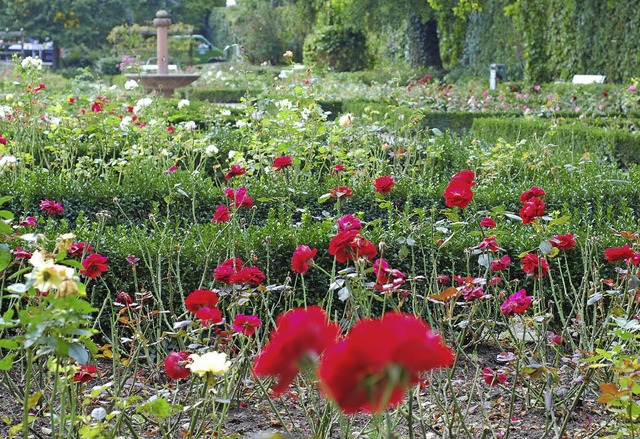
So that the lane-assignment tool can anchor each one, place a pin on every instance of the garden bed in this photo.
(142, 236)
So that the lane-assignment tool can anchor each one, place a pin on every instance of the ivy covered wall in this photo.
(552, 40)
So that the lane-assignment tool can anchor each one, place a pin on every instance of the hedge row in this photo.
(576, 136)
(145, 216)
(223, 95)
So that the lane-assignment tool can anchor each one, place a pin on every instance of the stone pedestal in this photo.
(162, 81)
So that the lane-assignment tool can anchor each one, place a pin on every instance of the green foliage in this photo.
(491, 38)
(337, 48)
(108, 66)
(577, 136)
(267, 29)
(223, 94)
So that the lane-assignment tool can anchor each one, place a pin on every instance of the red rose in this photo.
(533, 264)
(248, 275)
(281, 162)
(388, 279)
(300, 334)
(534, 192)
(350, 246)
(96, 107)
(51, 207)
(222, 215)
(338, 168)
(500, 264)
(234, 171)
(471, 292)
(563, 242)
(239, 197)
(349, 222)
(175, 365)
(86, 373)
(94, 265)
(372, 366)
(340, 192)
(458, 192)
(123, 299)
(20, 253)
(488, 223)
(199, 299)
(384, 184)
(301, 257)
(517, 303)
(493, 378)
(246, 324)
(78, 249)
(29, 221)
(489, 243)
(618, 253)
(228, 268)
(209, 315)
(531, 210)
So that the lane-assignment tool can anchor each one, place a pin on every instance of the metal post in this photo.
(492, 76)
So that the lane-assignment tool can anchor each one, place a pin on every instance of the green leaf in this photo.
(33, 399)
(90, 432)
(546, 247)
(5, 256)
(159, 408)
(6, 214)
(451, 215)
(513, 217)
(7, 362)
(324, 198)
(17, 288)
(560, 221)
(72, 263)
(4, 199)
(9, 344)
(91, 346)
(5, 228)
(78, 353)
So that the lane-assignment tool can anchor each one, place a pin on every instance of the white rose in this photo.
(142, 103)
(346, 120)
(131, 84)
(8, 162)
(211, 362)
(211, 150)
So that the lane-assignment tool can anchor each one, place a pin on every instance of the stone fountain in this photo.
(163, 81)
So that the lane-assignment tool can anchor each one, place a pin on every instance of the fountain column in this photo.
(162, 23)
(162, 81)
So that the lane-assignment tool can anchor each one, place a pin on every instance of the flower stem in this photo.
(27, 389)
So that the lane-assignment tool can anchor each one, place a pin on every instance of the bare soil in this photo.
(485, 410)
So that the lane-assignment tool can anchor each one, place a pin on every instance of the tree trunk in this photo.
(423, 43)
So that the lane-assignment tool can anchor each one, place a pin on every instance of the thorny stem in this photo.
(27, 388)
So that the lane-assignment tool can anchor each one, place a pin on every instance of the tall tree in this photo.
(68, 22)
(426, 24)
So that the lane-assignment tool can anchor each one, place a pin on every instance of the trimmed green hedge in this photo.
(577, 136)
(223, 95)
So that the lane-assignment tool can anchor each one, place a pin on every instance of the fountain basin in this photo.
(164, 83)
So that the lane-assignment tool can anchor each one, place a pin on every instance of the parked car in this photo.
(194, 49)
